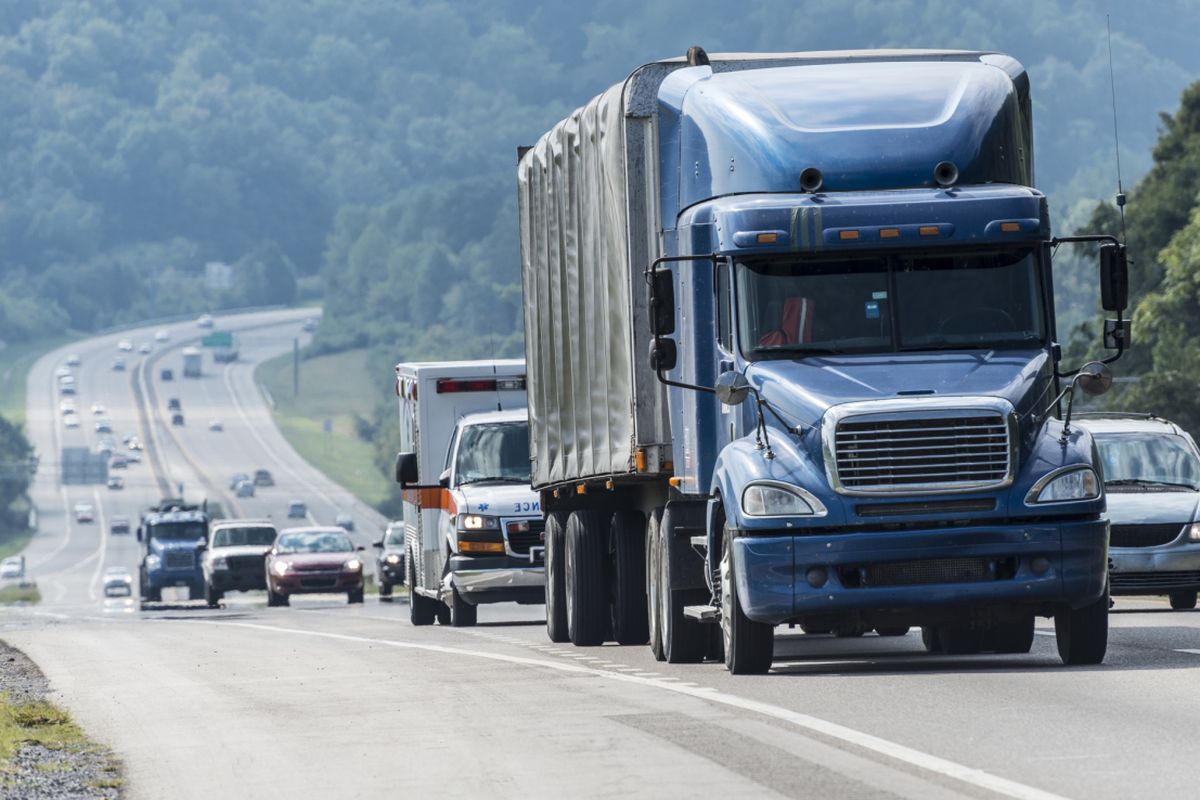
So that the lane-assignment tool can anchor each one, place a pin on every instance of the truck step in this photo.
(705, 614)
(700, 541)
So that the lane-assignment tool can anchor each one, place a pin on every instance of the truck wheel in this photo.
(442, 612)
(931, 640)
(385, 590)
(653, 612)
(1082, 633)
(1182, 601)
(276, 599)
(749, 645)
(556, 586)
(354, 595)
(212, 597)
(628, 584)
(960, 640)
(683, 641)
(462, 613)
(1010, 637)
(587, 599)
(421, 610)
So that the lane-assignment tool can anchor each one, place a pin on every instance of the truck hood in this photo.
(161, 546)
(318, 560)
(241, 550)
(1152, 508)
(803, 390)
(500, 499)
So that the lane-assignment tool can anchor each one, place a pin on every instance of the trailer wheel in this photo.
(749, 645)
(653, 612)
(586, 594)
(462, 613)
(627, 587)
(1082, 633)
(1182, 601)
(683, 641)
(420, 609)
(556, 587)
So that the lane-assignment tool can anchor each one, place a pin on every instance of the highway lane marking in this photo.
(103, 545)
(66, 501)
(1189, 651)
(893, 750)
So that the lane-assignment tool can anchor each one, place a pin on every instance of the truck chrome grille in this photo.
(956, 450)
(1143, 535)
(521, 541)
(179, 559)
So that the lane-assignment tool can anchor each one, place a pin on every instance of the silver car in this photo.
(1152, 479)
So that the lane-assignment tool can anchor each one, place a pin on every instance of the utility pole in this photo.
(296, 367)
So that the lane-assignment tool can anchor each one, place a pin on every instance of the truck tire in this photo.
(354, 596)
(960, 640)
(627, 587)
(462, 613)
(653, 612)
(442, 612)
(276, 599)
(749, 645)
(385, 590)
(1011, 637)
(421, 610)
(587, 598)
(1182, 601)
(931, 640)
(1082, 633)
(683, 641)
(211, 596)
(556, 586)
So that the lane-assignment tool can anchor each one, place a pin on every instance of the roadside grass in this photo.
(13, 541)
(36, 721)
(10, 595)
(15, 361)
(336, 388)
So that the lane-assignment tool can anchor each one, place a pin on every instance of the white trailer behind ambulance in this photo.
(473, 525)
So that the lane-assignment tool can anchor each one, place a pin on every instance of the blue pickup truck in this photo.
(792, 359)
(173, 534)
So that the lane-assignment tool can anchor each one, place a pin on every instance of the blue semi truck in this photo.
(173, 534)
(792, 359)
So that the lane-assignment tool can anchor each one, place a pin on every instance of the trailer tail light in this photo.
(454, 385)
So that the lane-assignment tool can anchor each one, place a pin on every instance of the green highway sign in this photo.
(218, 339)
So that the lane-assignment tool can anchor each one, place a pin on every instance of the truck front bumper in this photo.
(918, 571)
(162, 579)
(497, 579)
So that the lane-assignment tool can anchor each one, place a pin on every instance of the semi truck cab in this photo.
(173, 534)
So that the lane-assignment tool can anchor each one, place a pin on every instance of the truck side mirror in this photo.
(139, 533)
(663, 354)
(732, 388)
(202, 546)
(444, 479)
(406, 468)
(662, 303)
(1114, 277)
(1094, 378)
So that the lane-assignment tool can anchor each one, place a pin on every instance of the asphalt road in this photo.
(326, 699)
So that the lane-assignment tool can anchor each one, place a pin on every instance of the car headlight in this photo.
(478, 522)
(353, 565)
(1068, 485)
(1194, 532)
(220, 563)
(153, 562)
(393, 559)
(777, 500)
(281, 567)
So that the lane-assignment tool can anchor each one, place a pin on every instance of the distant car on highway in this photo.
(344, 521)
(84, 512)
(144, 348)
(244, 489)
(118, 364)
(316, 560)
(1152, 482)
(263, 477)
(71, 421)
(66, 405)
(133, 457)
(309, 325)
(98, 409)
(205, 321)
(103, 425)
(297, 509)
(216, 425)
(177, 419)
(62, 372)
(167, 374)
(118, 461)
(237, 478)
(118, 524)
(67, 389)
(173, 404)
(118, 582)
(134, 443)
(125, 345)
(116, 482)
(389, 563)
(73, 360)
(234, 559)
(12, 568)
(162, 335)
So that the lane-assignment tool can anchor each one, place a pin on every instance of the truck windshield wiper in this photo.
(799, 349)
(1148, 482)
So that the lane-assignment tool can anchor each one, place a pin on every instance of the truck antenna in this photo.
(495, 375)
(1112, 83)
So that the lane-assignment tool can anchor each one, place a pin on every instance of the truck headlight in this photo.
(281, 567)
(220, 563)
(778, 500)
(393, 559)
(1067, 485)
(478, 522)
(153, 562)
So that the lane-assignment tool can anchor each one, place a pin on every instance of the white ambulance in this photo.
(473, 526)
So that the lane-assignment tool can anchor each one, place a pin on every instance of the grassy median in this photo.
(15, 361)
(10, 595)
(35, 721)
(337, 388)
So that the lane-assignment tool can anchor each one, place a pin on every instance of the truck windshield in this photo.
(493, 452)
(1139, 462)
(236, 537)
(789, 307)
(176, 531)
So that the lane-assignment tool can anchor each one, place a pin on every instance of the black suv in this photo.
(262, 477)
(389, 564)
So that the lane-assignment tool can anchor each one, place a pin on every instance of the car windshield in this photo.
(177, 531)
(314, 543)
(235, 537)
(395, 536)
(493, 452)
(1140, 461)
(789, 307)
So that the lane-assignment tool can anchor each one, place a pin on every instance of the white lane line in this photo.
(866, 741)
(1189, 651)
(1044, 633)
(92, 594)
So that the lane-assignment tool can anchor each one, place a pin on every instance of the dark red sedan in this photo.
(317, 560)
